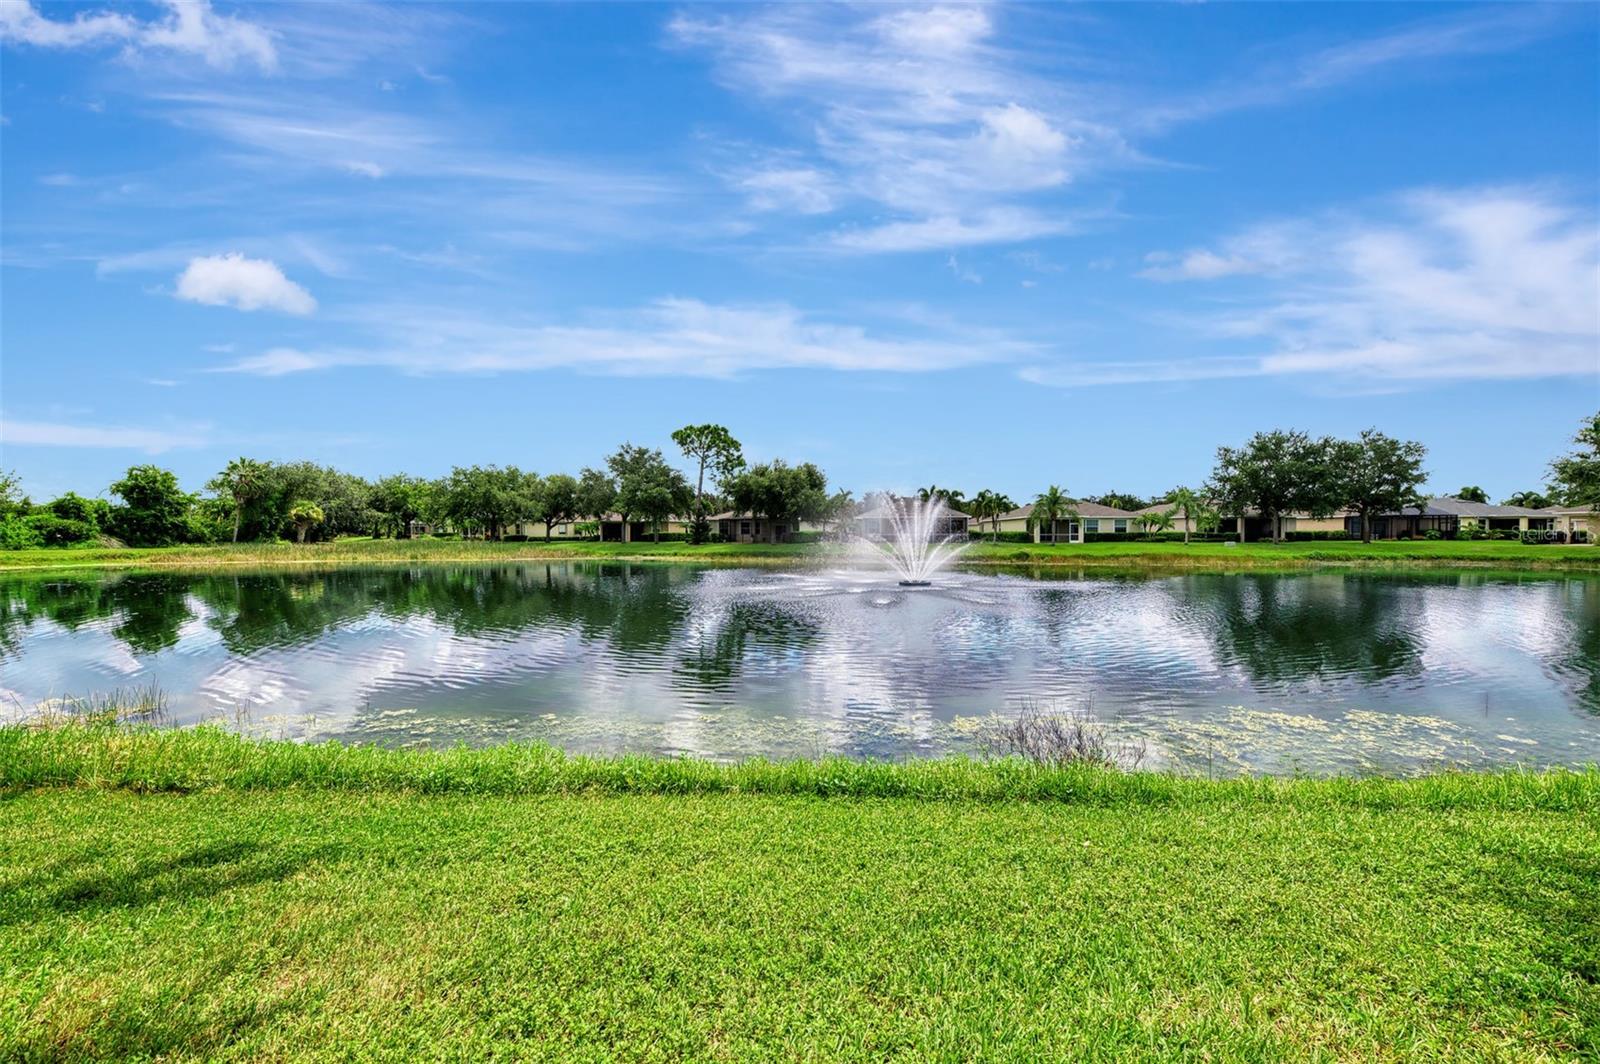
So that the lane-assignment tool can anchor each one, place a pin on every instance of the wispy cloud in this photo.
(1480, 30)
(670, 337)
(1488, 283)
(919, 112)
(189, 27)
(60, 434)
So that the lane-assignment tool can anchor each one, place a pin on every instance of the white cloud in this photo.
(190, 27)
(363, 168)
(1198, 265)
(800, 189)
(1001, 225)
(938, 30)
(280, 362)
(681, 337)
(918, 112)
(1273, 248)
(1436, 285)
(1480, 30)
(248, 284)
(55, 434)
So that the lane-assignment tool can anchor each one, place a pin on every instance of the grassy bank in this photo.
(1131, 555)
(187, 895)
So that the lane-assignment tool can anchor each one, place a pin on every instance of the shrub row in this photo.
(1311, 536)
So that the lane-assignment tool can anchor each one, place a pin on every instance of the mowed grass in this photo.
(1134, 554)
(191, 896)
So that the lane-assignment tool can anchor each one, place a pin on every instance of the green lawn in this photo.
(189, 896)
(1133, 554)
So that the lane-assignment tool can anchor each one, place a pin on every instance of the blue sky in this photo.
(983, 246)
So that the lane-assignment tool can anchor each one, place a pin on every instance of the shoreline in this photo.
(1507, 556)
(124, 755)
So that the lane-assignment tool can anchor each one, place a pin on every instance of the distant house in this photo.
(736, 527)
(1257, 527)
(612, 528)
(1448, 515)
(1092, 518)
(1180, 523)
(1580, 524)
(879, 522)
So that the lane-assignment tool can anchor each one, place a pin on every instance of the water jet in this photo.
(917, 537)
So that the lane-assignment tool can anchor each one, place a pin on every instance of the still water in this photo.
(1321, 672)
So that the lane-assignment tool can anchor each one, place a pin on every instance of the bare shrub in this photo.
(1049, 736)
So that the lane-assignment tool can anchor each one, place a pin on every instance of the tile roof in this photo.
(1084, 509)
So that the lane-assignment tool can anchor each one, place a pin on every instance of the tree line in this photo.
(1284, 472)
(251, 500)
(1273, 474)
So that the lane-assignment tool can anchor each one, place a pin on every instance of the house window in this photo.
(561, 529)
(1091, 524)
(1120, 524)
(744, 528)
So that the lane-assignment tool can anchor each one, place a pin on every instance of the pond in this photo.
(1224, 673)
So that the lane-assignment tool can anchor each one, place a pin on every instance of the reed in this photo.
(86, 752)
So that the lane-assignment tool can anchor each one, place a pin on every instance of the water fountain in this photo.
(918, 538)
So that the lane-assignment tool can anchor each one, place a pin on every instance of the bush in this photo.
(1004, 537)
(514, 539)
(1432, 533)
(1316, 535)
(56, 531)
(1156, 537)
(74, 507)
(805, 537)
(17, 534)
(206, 526)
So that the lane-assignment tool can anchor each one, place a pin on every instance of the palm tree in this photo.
(952, 499)
(244, 481)
(1051, 506)
(1189, 503)
(989, 505)
(1159, 521)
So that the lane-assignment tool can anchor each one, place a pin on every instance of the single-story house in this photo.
(612, 528)
(735, 527)
(1448, 515)
(879, 522)
(1256, 527)
(1580, 524)
(1225, 525)
(1092, 518)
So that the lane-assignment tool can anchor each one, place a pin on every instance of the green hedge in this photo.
(1309, 537)
(1004, 537)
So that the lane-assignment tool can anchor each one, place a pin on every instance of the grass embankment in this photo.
(1499, 554)
(190, 895)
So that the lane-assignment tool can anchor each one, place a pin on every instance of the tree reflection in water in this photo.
(771, 642)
